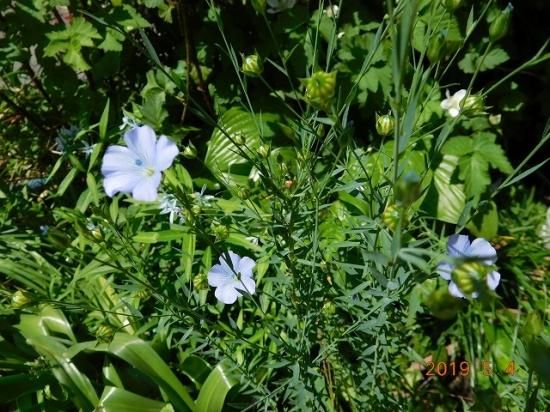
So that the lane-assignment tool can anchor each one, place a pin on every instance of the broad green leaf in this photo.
(474, 171)
(229, 163)
(119, 400)
(484, 143)
(143, 357)
(215, 388)
(445, 200)
(485, 223)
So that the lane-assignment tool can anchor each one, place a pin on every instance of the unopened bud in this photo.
(469, 277)
(252, 65)
(385, 124)
(20, 299)
(238, 138)
(190, 151)
(499, 26)
(495, 119)
(320, 89)
(105, 333)
(220, 231)
(200, 282)
(391, 216)
(473, 104)
(263, 151)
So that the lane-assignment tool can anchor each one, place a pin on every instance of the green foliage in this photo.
(106, 302)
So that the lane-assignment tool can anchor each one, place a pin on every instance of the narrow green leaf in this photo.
(103, 122)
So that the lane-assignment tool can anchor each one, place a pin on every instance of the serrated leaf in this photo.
(474, 171)
(472, 60)
(484, 143)
(112, 41)
(457, 146)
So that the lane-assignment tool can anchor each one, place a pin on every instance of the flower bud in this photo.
(200, 282)
(473, 104)
(436, 47)
(452, 5)
(190, 151)
(263, 151)
(407, 189)
(328, 308)
(238, 138)
(252, 65)
(391, 216)
(320, 89)
(495, 119)
(499, 26)
(20, 299)
(385, 124)
(105, 333)
(220, 231)
(258, 5)
(196, 209)
(469, 276)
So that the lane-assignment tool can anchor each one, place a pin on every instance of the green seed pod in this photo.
(20, 299)
(190, 151)
(407, 189)
(252, 65)
(263, 151)
(452, 5)
(259, 5)
(499, 26)
(436, 48)
(385, 124)
(469, 276)
(200, 282)
(320, 89)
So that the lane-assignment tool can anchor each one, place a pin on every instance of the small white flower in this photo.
(128, 123)
(545, 230)
(452, 103)
(332, 11)
(459, 246)
(202, 199)
(340, 35)
(137, 168)
(277, 6)
(87, 148)
(230, 279)
(169, 205)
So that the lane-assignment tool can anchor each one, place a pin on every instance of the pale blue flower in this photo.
(136, 169)
(230, 279)
(460, 248)
(128, 123)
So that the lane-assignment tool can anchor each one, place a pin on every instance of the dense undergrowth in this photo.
(281, 205)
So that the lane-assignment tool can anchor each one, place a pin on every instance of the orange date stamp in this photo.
(464, 368)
